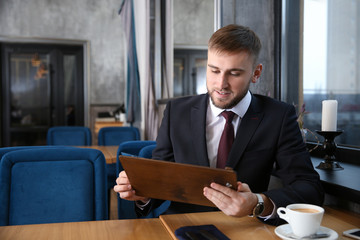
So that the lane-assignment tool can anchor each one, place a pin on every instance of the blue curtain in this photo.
(133, 110)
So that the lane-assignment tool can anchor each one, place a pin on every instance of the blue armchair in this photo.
(48, 185)
(126, 209)
(69, 136)
(113, 136)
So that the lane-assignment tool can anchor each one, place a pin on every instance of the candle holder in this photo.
(329, 146)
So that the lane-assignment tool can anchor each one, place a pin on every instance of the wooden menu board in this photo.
(174, 181)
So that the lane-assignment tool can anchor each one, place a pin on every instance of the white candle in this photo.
(329, 115)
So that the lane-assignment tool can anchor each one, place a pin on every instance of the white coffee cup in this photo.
(304, 219)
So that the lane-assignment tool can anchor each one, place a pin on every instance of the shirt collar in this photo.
(240, 108)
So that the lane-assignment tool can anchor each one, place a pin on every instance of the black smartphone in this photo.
(353, 233)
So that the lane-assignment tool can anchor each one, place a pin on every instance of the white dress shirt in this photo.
(215, 123)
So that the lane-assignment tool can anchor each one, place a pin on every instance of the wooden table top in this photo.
(233, 228)
(252, 228)
(164, 227)
(100, 124)
(111, 229)
(108, 151)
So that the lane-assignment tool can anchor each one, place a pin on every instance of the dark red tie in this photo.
(226, 140)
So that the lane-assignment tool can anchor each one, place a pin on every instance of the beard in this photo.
(225, 104)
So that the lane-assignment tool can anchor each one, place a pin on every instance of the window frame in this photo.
(291, 71)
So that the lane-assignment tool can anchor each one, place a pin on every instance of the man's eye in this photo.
(234, 73)
(215, 71)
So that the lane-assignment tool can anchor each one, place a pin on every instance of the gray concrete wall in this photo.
(193, 22)
(99, 23)
(259, 16)
(94, 21)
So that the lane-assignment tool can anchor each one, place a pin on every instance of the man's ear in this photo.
(257, 73)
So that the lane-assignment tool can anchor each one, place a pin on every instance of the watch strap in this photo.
(259, 197)
(260, 207)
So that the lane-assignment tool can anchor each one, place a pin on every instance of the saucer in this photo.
(284, 231)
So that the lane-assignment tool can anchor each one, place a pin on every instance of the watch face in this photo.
(258, 210)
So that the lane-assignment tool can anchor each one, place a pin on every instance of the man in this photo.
(266, 133)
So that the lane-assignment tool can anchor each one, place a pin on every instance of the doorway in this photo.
(189, 72)
(42, 86)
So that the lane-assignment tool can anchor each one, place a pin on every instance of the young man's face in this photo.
(228, 77)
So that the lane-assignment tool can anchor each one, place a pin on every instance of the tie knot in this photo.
(228, 115)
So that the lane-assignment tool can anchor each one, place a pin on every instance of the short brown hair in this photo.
(235, 38)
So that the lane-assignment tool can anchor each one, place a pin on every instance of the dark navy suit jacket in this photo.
(268, 141)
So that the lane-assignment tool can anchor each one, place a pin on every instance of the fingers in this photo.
(123, 186)
(220, 195)
(231, 202)
(223, 189)
(243, 187)
(220, 200)
(125, 190)
(122, 179)
(123, 174)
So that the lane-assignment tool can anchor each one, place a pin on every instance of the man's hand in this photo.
(125, 190)
(233, 203)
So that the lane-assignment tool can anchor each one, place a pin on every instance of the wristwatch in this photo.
(260, 207)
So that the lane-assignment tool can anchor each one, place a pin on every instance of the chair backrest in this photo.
(146, 152)
(130, 148)
(52, 185)
(5, 150)
(69, 136)
(113, 136)
(126, 208)
(10, 149)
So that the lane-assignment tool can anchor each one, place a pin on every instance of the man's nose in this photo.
(222, 81)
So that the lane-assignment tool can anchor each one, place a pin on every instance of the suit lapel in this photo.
(198, 125)
(248, 125)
